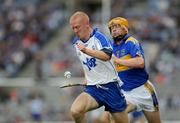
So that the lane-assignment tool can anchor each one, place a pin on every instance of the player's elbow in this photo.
(141, 63)
(106, 58)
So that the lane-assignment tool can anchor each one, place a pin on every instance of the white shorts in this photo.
(143, 97)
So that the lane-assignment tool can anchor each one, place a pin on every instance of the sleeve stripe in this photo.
(104, 42)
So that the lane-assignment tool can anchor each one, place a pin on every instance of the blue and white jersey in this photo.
(96, 70)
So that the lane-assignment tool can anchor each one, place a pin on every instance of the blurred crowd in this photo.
(154, 22)
(34, 104)
(25, 29)
(25, 26)
(52, 104)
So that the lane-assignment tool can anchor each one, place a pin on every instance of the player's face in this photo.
(79, 28)
(117, 30)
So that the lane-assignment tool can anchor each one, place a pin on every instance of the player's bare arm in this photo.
(94, 53)
(137, 62)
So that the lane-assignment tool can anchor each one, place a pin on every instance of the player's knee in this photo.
(105, 118)
(75, 113)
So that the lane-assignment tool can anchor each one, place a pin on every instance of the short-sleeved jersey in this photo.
(96, 70)
(131, 77)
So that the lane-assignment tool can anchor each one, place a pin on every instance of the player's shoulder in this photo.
(131, 40)
(75, 39)
(100, 36)
(97, 33)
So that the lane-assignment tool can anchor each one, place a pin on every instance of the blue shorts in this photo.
(108, 95)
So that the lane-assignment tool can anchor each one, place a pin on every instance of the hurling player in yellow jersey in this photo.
(130, 64)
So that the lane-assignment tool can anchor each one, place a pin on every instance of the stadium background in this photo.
(35, 51)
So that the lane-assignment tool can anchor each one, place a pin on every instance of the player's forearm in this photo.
(137, 62)
(97, 54)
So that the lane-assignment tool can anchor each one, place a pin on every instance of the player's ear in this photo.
(125, 28)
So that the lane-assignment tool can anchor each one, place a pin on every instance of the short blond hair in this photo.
(80, 14)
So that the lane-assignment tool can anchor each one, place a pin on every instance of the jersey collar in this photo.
(123, 40)
(91, 35)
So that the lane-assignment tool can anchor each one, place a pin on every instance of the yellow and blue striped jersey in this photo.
(131, 77)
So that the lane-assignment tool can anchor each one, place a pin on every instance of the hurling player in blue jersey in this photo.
(94, 51)
(130, 64)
